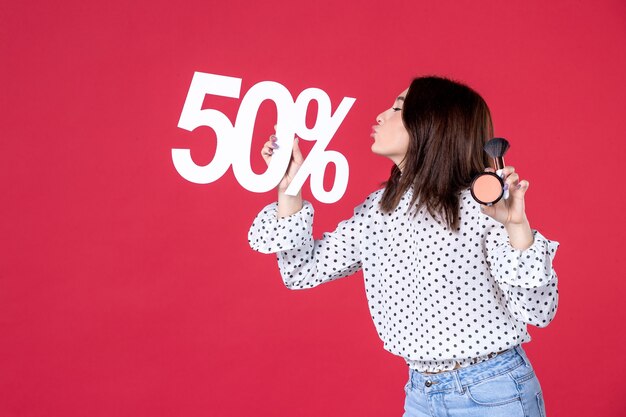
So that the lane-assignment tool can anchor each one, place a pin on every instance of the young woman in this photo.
(451, 284)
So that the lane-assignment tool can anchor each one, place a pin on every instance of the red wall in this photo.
(126, 290)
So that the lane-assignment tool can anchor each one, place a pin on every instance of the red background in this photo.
(127, 291)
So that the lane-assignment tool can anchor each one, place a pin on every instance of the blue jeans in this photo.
(505, 385)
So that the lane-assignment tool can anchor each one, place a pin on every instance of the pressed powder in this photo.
(487, 188)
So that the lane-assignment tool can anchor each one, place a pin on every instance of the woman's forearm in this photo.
(520, 235)
(288, 204)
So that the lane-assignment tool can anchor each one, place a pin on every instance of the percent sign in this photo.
(234, 141)
(318, 158)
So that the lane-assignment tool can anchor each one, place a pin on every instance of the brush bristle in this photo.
(496, 147)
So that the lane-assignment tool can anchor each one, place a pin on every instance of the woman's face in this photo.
(391, 138)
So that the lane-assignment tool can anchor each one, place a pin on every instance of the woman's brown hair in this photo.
(448, 124)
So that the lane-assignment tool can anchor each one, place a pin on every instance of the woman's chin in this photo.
(377, 151)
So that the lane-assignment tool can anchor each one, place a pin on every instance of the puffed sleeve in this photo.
(527, 277)
(303, 261)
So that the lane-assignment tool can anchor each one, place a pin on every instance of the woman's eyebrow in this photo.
(401, 98)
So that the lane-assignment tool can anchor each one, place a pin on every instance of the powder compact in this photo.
(488, 187)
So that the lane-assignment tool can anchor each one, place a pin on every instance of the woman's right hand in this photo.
(295, 162)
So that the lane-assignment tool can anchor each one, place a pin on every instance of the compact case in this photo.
(488, 187)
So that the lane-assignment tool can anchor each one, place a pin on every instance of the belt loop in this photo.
(457, 380)
(411, 385)
(521, 352)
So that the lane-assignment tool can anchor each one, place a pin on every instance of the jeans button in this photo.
(428, 383)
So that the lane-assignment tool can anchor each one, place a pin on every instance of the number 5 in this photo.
(193, 116)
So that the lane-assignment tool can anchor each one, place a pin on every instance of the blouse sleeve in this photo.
(527, 277)
(303, 261)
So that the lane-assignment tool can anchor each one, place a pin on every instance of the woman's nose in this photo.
(379, 119)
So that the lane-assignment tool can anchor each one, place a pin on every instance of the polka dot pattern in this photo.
(436, 296)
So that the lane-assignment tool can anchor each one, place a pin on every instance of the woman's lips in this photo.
(373, 134)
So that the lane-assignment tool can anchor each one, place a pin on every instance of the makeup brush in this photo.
(496, 148)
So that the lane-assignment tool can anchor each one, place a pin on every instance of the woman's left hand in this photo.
(510, 211)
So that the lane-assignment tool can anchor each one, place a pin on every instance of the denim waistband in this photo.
(460, 378)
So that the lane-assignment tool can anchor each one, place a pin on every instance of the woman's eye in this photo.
(396, 108)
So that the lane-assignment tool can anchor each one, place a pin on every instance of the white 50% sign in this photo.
(234, 141)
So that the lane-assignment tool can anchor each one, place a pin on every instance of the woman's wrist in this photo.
(289, 204)
(520, 235)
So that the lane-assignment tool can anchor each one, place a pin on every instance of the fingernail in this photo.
(274, 145)
(506, 187)
(273, 137)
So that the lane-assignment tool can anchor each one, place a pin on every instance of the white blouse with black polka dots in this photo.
(437, 297)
